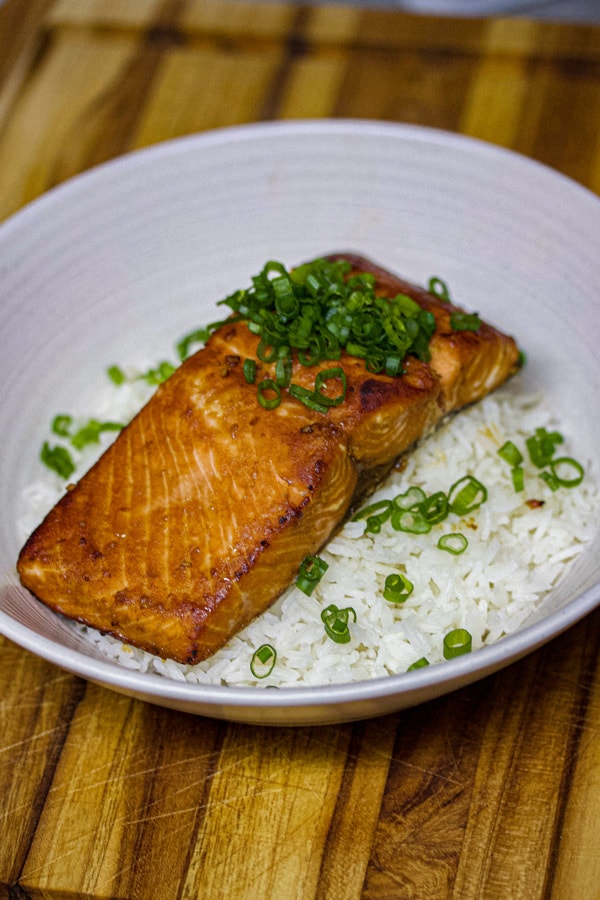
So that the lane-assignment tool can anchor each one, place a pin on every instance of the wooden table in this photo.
(492, 792)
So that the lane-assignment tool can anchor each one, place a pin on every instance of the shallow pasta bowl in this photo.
(121, 260)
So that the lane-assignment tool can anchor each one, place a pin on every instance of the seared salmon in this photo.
(199, 515)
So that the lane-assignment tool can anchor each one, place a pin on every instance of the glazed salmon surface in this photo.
(198, 516)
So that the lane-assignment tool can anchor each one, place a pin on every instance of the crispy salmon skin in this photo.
(198, 516)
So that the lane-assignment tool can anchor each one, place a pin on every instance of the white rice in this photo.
(516, 554)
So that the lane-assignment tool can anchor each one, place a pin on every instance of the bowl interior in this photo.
(117, 264)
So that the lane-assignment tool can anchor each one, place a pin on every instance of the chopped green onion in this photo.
(550, 479)
(266, 352)
(308, 398)
(160, 374)
(200, 336)
(336, 623)
(379, 508)
(250, 370)
(541, 446)
(91, 431)
(457, 642)
(411, 499)
(518, 478)
(439, 288)
(263, 661)
(325, 375)
(266, 386)
(61, 425)
(511, 454)
(283, 372)
(312, 569)
(435, 508)
(419, 664)
(116, 375)
(58, 459)
(564, 467)
(466, 495)
(464, 321)
(397, 588)
(411, 521)
(455, 543)
(316, 310)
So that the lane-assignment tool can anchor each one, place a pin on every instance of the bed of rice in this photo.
(515, 555)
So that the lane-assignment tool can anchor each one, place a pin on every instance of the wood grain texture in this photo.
(492, 792)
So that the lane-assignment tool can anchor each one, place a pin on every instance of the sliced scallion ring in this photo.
(410, 499)
(466, 495)
(455, 543)
(418, 664)
(312, 569)
(250, 370)
(457, 642)
(263, 661)
(412, 521)
(397, 588)
(336, 373)
(336, 623)
(567, 471)
(264, 388)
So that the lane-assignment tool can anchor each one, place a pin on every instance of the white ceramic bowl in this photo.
(120, 261)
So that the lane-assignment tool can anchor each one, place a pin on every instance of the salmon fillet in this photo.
(198, 516)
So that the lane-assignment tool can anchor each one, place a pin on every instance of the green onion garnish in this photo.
(250, 370)
(61, 425)
(159, 374)
(263, 661)
(312, 569)
(411, 499)
(518, 478)
(457, 642)
(283, 372)
(326, 375)
(116, 375)
(455, 543)
(550, 479)
(268, 393)
(308, 398)
(511, 454)
(410, 520)
(91, 431)
(419, 664)
(397, 588)
(464, 321)
(58, 459)
(381, 509)
(567, 471)
(435, 508)
(541, 446)
(199, 336)
(336, 623)
(316, 310)
(439, 288)
(466, 495)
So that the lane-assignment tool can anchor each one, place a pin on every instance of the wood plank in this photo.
(62, 120)
(277, 789)
(210, 91)
(37, 702)
(129, 791)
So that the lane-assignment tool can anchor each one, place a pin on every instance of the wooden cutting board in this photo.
(492, 792)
